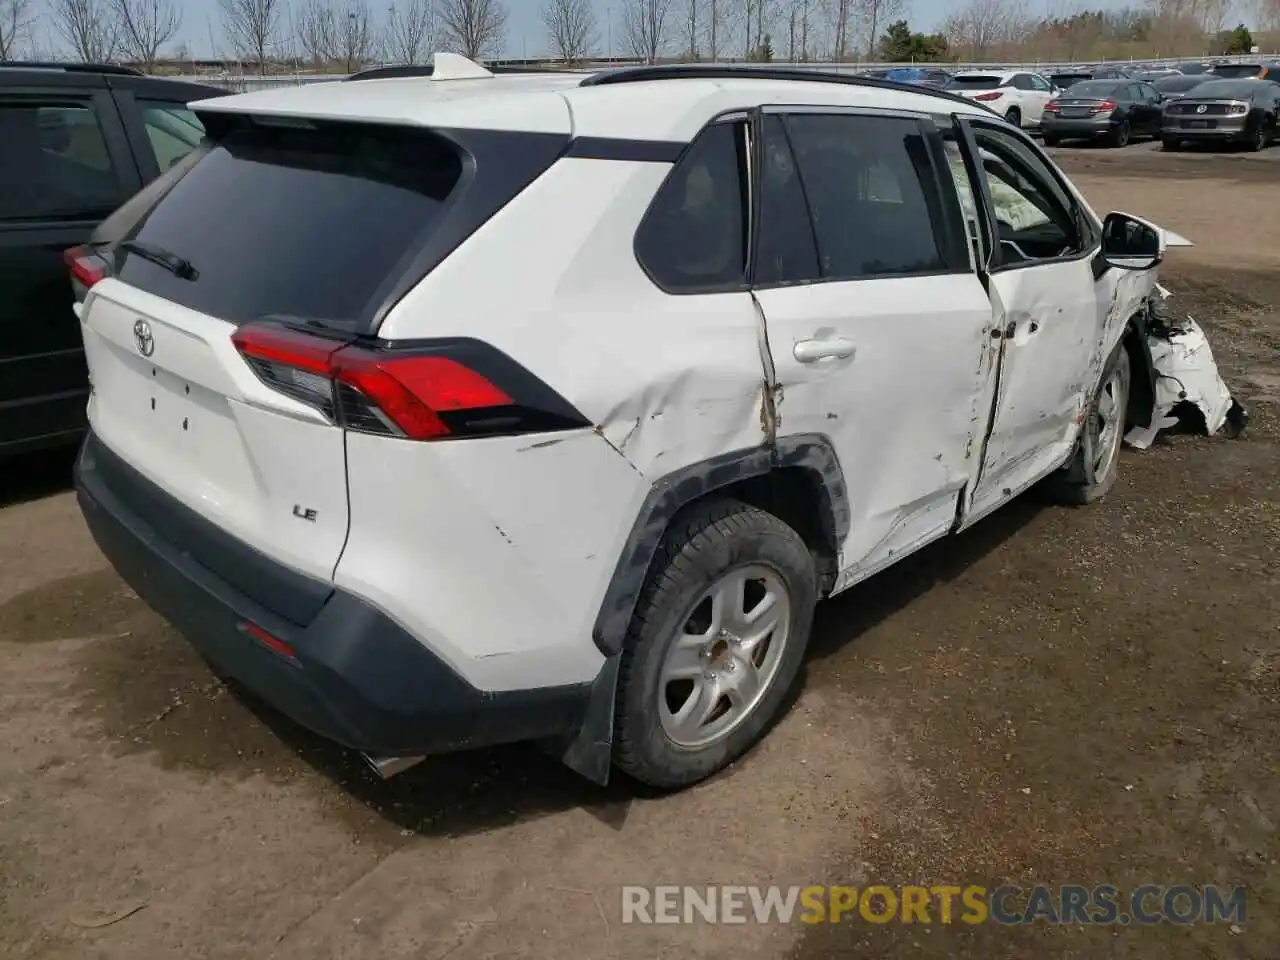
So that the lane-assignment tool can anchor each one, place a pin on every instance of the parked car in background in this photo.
(1018, 96)
(1224, 111)
(919, 76)
(1178, 86)
(1115, 110)
(1064, 79)
(76, 141)
(1261, 70)
(1193, 67)
(1150, 76)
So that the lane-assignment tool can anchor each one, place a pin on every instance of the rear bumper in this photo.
(1225, 130)
(1076, 127)
(356, 676)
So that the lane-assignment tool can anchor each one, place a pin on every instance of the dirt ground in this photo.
(1065, 696)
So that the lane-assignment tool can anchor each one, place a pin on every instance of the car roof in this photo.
(989, 73)
(649, 104)
(98, 76)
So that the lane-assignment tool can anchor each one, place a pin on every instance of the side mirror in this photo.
(1131, 243)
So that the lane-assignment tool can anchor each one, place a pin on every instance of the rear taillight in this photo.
(87, 268)
(418, 394)
(988, 97)
(1106, 106)
(1051, 107)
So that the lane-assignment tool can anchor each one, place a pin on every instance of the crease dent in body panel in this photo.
(770, 389)
(688, 415)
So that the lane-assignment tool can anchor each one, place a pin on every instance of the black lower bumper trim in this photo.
(358, 677)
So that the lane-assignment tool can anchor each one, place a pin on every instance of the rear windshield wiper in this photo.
(180, 268)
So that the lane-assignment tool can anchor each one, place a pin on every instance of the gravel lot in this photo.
(1069, 696)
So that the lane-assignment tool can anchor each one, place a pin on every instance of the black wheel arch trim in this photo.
(811, 452)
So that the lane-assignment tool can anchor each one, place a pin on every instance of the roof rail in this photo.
(110, 68)
(716, 71)
(427, 70)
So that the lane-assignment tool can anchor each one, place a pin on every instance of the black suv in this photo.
(77, 141)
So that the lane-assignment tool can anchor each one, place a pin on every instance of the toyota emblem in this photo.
(143, 337)
(1201, 109)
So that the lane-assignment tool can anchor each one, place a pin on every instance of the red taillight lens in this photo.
(988, 97)
(1106, 106)
(1050, 107)
(87, 268)
(372, 391)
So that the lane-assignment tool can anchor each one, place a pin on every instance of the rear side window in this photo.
(875, 205)
(694, 237)
(300, 222)
(172, 129)
(55, 163)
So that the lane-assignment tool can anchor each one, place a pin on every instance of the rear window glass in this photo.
(1226, 89)
(1068, 79)
(1178, 84)
(1101, 88)
(1232, 70)
(307, 223)
(975, 83)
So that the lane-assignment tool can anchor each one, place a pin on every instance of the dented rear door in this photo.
(877, 323)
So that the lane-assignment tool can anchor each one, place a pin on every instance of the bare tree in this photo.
(411, 31)
(144, 27)
(252, 27)
(715, 27)
(646, 26)
(357, 40)
(15, 23)
(474, 27)
(571, 27)
(316, 28)
(693, 29)
(874, 14)
(87, 27)
(840, 15)
(982, 25)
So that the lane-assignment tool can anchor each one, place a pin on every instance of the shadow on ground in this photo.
(35, 475)
(151, 694)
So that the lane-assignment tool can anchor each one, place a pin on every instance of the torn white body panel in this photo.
(1185, 373)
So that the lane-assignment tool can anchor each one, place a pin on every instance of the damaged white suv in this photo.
(451, 411)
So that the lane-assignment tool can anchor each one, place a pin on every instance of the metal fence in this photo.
(245, 82)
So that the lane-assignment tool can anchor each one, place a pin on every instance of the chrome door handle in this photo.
(835, 348)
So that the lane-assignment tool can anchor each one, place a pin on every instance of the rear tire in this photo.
(1106, 422)
(1170, 144)
(697, 688)
(1051, 140)
(1014, 116)
(1120, 136)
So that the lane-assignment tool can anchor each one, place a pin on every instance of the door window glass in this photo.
(1034, 219)
(55, 162)
(871, 193)
(787, 251)
(172, 129)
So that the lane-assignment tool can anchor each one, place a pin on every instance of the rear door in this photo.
(877, 323)
(305, 223)
(64, 165)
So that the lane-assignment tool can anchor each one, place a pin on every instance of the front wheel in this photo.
(1093, 469)
(718, 636)
(1259, 141)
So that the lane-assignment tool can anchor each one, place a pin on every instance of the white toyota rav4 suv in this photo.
(450, 411)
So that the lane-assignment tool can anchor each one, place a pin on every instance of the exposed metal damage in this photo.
(1190, 395)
